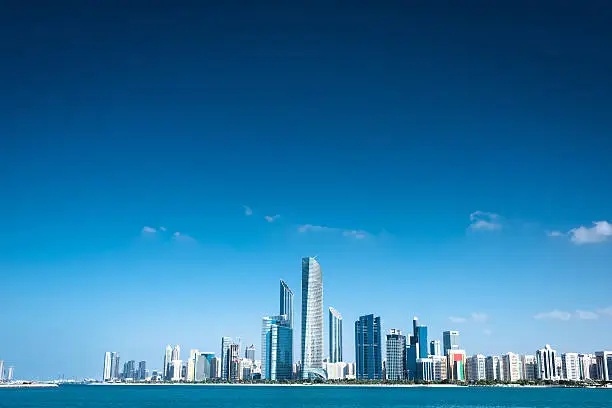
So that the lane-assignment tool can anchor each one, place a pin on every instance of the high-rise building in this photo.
(142, 370)
(312, 319)
(225, 344)
(246, 369)
(129, 370)
(167, 361)
(204, 369)
(368, 348)
(176, 352)
(286, 302)
(434, 348)
(439, 367)
(233, 360)
(276, 348)
(1, 370)
(587, 364)
(10, 376)
(456, 364)
(425, 369)
(191, 365)
(570, 366)
(215, 368)
(421, 335)
(396, 355)
(512, 367)
(546, 364)
(450, 340)
(493, 368)
(604, 365)
(176, 370)
(115, 366)
(529, 367)
(476, 368)
(335, 336)
(249, 352)
(106, 376)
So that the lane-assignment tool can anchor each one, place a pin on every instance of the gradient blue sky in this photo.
(389, 125)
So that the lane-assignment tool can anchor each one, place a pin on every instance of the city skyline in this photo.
(441, 162)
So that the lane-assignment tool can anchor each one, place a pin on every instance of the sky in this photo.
(162, 167)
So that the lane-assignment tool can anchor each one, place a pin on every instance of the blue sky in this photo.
(446, 162)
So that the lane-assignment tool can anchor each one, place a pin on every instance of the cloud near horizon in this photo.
(272, 218)
(357, 234)
(485, 221)
(148, 229)
(578, 314)
(477, 317)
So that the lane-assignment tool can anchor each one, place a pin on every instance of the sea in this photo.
(227, 396)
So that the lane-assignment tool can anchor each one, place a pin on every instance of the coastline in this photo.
(29, 385)
(350, 385)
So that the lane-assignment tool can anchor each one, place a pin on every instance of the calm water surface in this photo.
(301, 397)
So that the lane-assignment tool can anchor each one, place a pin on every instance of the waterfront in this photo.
(303, 396)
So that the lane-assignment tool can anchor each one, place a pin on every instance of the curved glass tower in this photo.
(312, 318)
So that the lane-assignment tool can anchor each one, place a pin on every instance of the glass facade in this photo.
(277, 348)
(450, 341)
(225, 344)
(286, 302)
(396, 355)
(204, 366)
(312, 318)
(368, 348)
(335, 336)
(421, 333)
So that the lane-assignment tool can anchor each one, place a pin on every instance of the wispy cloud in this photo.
(358, 234)
(247, 210)
(606, 311)
(179, 236)
(149, 230)
(599, 232)
(485, 221)
(272, 218)
(487, 332)
(555, 234)
(480, 317)
(554, 315)
(310, 227)
(456, 319)
(162, 229)
(586, 315)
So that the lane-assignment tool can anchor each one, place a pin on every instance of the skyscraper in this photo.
(546, 369)
(1, 370)
(167, 361)
(604, 365)
(312, 319)
(335, 336)
(233, 360)
(225, 344)
(368, 348)
(106, 376)
(142, 370)
(114, 365)
(421, 334)
(286, 302)
(450, 340)
(10, 376)
(204, 366)
(249, 352)
(176, 352)
(276, 348)
(434, 348)
(396, 355)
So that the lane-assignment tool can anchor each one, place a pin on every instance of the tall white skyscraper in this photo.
(546, 364)
(312, 319)
(10, 376)
(1, 370)
(476, 368)
(115, 370)
(571, 366)
(176, 352)
(167, 361)
(512, 367)
(335, 336)
(106, 376)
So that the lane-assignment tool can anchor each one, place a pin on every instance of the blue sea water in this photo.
(301, 397)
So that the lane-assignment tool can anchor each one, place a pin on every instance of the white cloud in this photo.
(456, 319)
(599, 232)
(554, 315)
(247, 210)
(480, 317)
(484, 221)
(272, 218)
(179, 236)
(163, 229)
(149, 230)
(586, 315)
(358, 234)
(607, 311)
(487, 332)
(555, 234)
(310, 227)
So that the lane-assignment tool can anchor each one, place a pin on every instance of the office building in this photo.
(529, 367)
(570, 366)
(286, 302)
(434, 348)
(10, 375)
(176, 352)
(412, 353)
(142, 371)
(512, 367)
(312, 319)
(476, 368)
(396, 356)
(546, 367)
(368, 353)
(493, 369)
(106, 376)
(204, 366)
(2, 370)
(276, 348)
(176, 370)
(115, 373)
(215, 368)
(233, 359)
(191, 365)
(439, 367)
(335, 336)
(456, 364)
(249, 352)
(421, 336)
(167, 361)
(587, 364)
(336, 371)
(604, 365)
(129, 370)
(450, 341)
(425, 369)
(225, 344)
